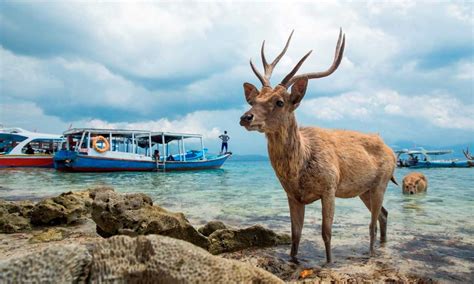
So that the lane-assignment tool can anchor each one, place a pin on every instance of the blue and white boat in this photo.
(107, 150)
(422, 158)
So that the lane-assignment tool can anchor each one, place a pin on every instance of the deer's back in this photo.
(356, 161)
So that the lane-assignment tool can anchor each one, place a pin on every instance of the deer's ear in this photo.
(250, 92)
(297, 91)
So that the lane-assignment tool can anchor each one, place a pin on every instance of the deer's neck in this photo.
(286, 150)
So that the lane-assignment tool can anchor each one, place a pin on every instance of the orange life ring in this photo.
(103, 140)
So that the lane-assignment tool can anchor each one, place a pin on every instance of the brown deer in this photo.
(314, 163)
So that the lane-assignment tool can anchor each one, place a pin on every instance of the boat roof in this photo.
(28, 134)
(156, 136)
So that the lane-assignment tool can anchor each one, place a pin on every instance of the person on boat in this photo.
(156, 155)
(225, 138)
(29, 150)
(170, 158)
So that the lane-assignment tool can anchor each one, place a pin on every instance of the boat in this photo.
(422, 158)
(22, 148)
(108, 150)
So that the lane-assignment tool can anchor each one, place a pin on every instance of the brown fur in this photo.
(315, 163)
(414, 183)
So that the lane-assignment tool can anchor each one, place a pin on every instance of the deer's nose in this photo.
(246, 117)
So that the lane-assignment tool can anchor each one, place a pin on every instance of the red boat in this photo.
(21, 148)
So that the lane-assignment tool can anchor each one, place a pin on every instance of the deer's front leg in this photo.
(327, 203)
(297, 220)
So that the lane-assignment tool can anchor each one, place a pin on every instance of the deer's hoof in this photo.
(294, 260)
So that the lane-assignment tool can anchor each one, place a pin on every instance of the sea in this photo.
(431, 233)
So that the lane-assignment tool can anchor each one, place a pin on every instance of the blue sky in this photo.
(407, 72)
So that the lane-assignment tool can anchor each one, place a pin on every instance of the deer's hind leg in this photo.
(383, 217)
(376, 199)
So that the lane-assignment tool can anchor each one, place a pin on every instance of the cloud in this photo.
(162, 61)
(441, 110)
(208, 123)
(29, 116)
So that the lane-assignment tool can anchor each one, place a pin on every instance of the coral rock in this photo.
(134, 214)
(58, 264)
(66, 208)
(229, 240)
(153, 258)
(13, 222)
(211, 227)
(52, 234)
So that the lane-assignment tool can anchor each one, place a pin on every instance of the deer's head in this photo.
(271, 107)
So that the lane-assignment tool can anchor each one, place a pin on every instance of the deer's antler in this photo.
(467, 154)
(268, 68)
(290, 79)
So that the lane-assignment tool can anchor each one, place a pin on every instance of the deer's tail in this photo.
(394, 180)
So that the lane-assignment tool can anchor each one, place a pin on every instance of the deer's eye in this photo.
(280, 103)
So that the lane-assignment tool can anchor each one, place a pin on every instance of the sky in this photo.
(407, 71)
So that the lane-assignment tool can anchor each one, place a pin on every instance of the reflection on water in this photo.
(245, 193)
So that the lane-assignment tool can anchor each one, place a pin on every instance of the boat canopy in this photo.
(28, 134)
(156, 137)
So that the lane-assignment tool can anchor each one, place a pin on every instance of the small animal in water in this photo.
(414, 183)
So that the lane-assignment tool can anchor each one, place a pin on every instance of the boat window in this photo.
(41, 146)
(9, 141)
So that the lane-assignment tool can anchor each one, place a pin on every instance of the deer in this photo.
(313, 163)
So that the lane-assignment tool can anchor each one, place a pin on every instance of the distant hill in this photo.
(456, 148)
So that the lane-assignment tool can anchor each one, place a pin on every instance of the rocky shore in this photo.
(100, 235)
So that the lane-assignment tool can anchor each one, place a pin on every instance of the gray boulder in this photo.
(55, 264)
(134, 214)
(228, 240)
(159, 259)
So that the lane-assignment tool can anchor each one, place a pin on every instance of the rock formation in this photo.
(211, 227)
(135, 214)
(123, 259)
(55, 264)
(228, 240)
(66, 208)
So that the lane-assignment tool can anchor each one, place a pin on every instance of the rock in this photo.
(13, 222)
(95, 190)
(210, 227)
(22, 208)
(152, 258)
(134, 214)
(66, 208)
(52, 234)
(58, 264)
(229, 240)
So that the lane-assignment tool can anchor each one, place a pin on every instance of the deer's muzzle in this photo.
(246, 119)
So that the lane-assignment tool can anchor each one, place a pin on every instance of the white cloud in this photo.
(465, 71)
(29, 116)
(441, 110)
(208, 123)
(166, 63)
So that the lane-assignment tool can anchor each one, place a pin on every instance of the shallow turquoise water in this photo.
(246, 193)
